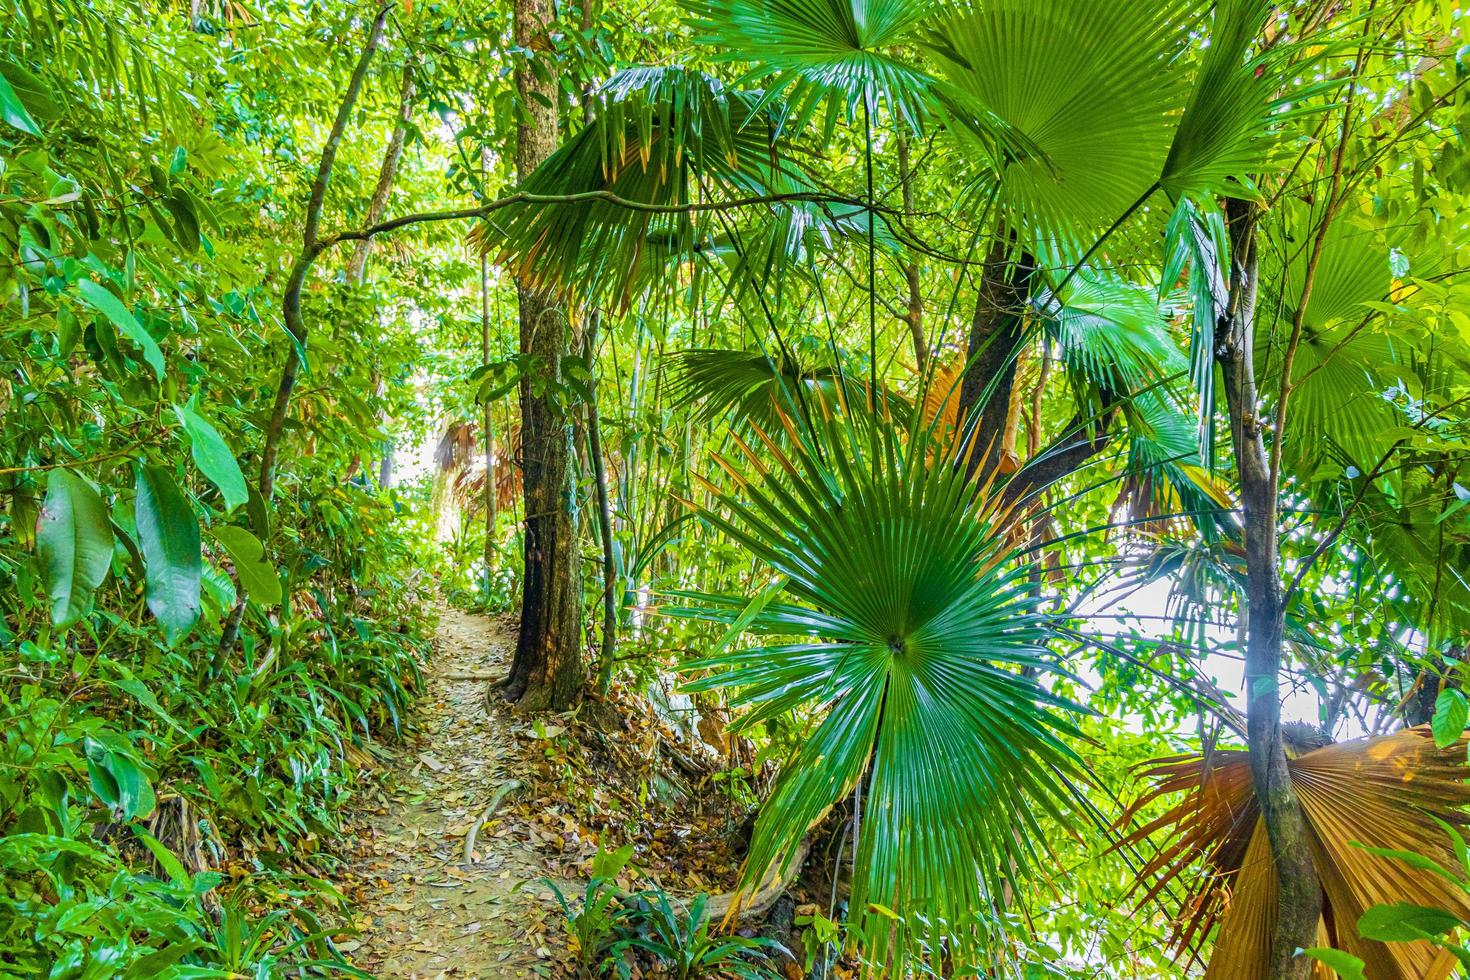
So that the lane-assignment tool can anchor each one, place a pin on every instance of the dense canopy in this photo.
(819, 488)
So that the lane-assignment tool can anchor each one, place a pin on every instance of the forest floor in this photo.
(423, 911)
(577, 784)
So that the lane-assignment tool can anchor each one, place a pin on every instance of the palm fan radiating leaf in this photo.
(1384, 792)
(1340, 369)
(1091, 84)
(1223, 139)
(1112, 332)
(753, 386)
(659, 136)
(903, 630)
(833, 52)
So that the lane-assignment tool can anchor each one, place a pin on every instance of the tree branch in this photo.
(310, 249)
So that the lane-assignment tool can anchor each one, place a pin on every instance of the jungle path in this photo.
(422, 910)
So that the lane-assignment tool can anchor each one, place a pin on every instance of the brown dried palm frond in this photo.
(1384, 792)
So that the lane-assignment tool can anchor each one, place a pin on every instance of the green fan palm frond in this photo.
(905, 632)
(1111, 331)
(1223, 140)
(1341, 368)
(660, 136)
(757, 386)
(789, 238)
(1092, 85)
(833, 52)
(1195, 248)
(1163, 474)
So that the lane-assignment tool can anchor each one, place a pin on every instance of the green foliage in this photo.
(681, 941)
(908, 628)
(192, 670)
(609, 925)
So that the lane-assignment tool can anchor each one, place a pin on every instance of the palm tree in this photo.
(900, 624)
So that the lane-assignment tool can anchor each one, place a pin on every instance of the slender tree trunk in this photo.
(914, 315)
(387, 174)
(547, 672)
(492, 501)
(609, 648)
(311, 247)
(1299, 894)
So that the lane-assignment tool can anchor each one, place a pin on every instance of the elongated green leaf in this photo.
(13, 111)
(1348, 966)
(248, 554)
(173, 563)
(166, 859)
(74, 540)
(1404, 922)
(100, 298)
(213, 457)
(1451, 712)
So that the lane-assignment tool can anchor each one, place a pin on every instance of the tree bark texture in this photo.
(547, 671)
(996, 332)
(1299, 893)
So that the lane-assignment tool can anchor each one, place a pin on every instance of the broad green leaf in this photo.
(213, 457)
(100, 298)
(117, 778)
(74, 541)
(248, 555)
(1404, 922)
(13, 111)
(608, 864)
(166, 859)
(169, 536)
(1348, 966)
(1451, 711)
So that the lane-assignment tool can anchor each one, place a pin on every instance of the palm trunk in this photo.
(547, 671)
(1299, 894)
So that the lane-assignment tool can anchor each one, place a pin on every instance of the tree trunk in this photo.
(547, 671)
(492, 502)
(996, 332)
(387, 174)
(914, 314)
(1299, 894)
(608, 651)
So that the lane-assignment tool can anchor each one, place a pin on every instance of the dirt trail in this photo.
(423, 912)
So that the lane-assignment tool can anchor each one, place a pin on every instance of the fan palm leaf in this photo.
(904, 629)
(1163, 474)
(1223, 139)
(834, 52)
(1090, 84)
(659, 136)
(1375, 793)
(757, 386)
(1340, 370)
(1111, 331)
